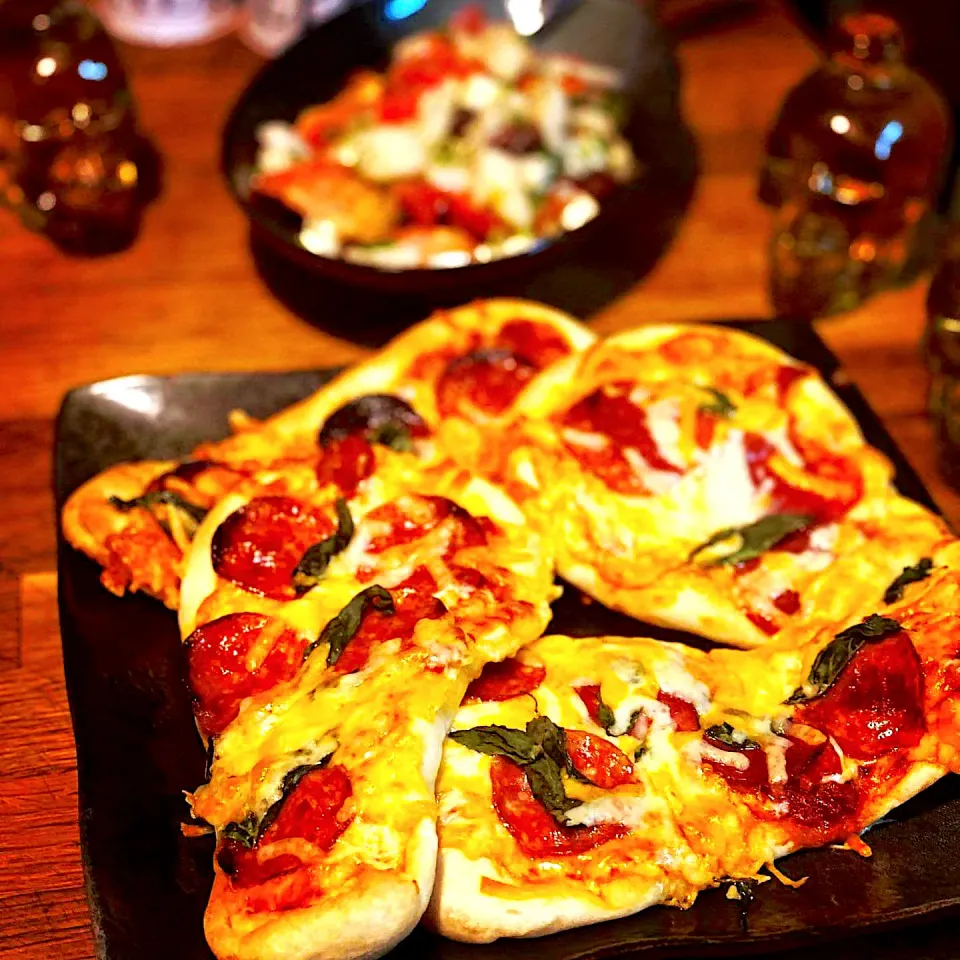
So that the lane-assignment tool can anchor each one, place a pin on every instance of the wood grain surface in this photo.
(187, 297)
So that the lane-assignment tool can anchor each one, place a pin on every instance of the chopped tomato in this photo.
(234, 657)
(480, 222)
(788, 602)
(470, 19)
(399, 104)
(505, 680)
(259, 546)
(876, 705)
(600, 761)
(536, 831)
(422, 202)
(682, 712)
(705, 426)
(762, 623)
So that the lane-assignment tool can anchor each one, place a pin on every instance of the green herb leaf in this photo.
(340, 630)
(605, 716)
(249, 830)
(246, 832)
(540, 749)
(396, 436)
(835, 656)
(728, 736)
(546, 784)
(720, 406)
(314, 562)
(165, 497)
(498, 741)
(755, 538)
(914, 574)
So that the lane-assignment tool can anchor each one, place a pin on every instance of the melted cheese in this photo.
(629, 810)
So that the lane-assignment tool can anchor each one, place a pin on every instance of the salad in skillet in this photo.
(470, 147)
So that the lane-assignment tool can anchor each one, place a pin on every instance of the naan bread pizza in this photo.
(329, 642)
(376, 562)
(699, 478)
(454, 378)
(589, 778)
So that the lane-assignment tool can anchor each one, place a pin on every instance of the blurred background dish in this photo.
(617, 36)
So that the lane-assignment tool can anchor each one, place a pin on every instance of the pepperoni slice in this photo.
(812, 800)
(487, 380)
(345, 463)
(413, 601)
(203, 480)
(590, 695)
(312, 812)
(610, 413)
(412, 517)
(705, 426)
(234, 657)
(826, 487)
(682, 712)
(536, 831)
(600, 761)
(749, 778)
(537, 343)
(876, 705)
(505, 680)
(259, 546)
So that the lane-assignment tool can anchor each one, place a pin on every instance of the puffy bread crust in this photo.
(363, 923)
(89, 521)
(461, 910)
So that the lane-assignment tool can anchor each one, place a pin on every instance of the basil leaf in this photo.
(605, 716)
(249, 830)
(341, 629)
(835, 656)
(167, 498)
(755, 538)
(396, 436)
(210, 757)
(497, 741)
(729, 737)
(246, 832)
(546, 784)
(913, 574)
(553, 741)
(639, 752)
(720, 406)
(315, 561)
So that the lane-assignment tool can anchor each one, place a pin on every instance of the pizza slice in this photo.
(589, 778)
(699, 478)
(451, 381)
(329, 640)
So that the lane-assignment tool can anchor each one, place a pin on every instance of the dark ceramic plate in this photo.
(619, 33)
(137, 748)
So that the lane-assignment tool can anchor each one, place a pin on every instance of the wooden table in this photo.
(186, 297)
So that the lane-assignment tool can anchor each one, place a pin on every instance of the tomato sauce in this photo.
(875, 707)
(487, 380)
(219, 669)
(312, 812)
(609, 412)
(413, 601)
(536, 831)
(537, 343)
(601, 762)
(826, 488)
(259, 546)
(505, 680)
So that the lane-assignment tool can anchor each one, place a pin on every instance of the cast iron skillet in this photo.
(620, 33)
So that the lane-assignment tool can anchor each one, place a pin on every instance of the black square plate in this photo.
(137, 748)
